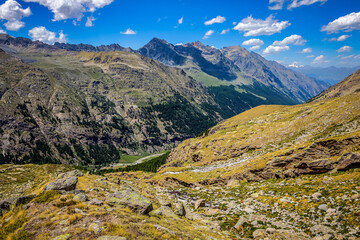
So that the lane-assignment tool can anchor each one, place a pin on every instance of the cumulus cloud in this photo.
(12, 12)
(89, 21)
(257, 27)
(46, 36)
(225, 31)
(344, 49)
(208, 34)
(299, 3)
(254, 42)
(181, 20)
(65, 9)
(293, 40)
(275, 49)
(319, 60)
(2, 31)
(339, 39)
(306, 50)
(345, 23)
(128, 32)
(218, 19)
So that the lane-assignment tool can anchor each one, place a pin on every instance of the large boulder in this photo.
(66, 184)
(74, 173)
(131, 199)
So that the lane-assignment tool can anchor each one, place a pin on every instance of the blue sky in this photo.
(279, 30)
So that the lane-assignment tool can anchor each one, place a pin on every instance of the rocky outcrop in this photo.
(8, 204)
(65, 181)
(131, 199)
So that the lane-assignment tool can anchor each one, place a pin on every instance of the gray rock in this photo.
(165, 229)
(96, 202)
(95, 227)
(179, 209)
(242, 220)
(323, 207)
(62, 237)
(321, 229)
(81, 197)
(199, 203)
(131, 199)
(66, 184)
(164, 202)
(163, 211)
(259, 233)
(316, 195)
(8, 204)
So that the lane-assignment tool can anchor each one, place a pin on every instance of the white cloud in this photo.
(344, 49)
(257, 27)
(293, 39)
(2, 31)
(319, 60)
(310, 56)
(275, 49)
(277, 4)
(65, 9)
(181, 20)
(225, 31)
(46, 36)
(89, 21)
(208, 34)
(299, 3)
(218, 19)
(253, 42)
(253, 48)
(350, 57)
(128, 32)
(12, 12)
(345, 23)
(306, 50)
(295, 65)
(234, 23)
(339, 39)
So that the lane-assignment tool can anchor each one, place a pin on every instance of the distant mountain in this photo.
(90, 48)
(237, 67)
(331, 75)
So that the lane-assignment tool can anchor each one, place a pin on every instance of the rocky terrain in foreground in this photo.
(74, 205)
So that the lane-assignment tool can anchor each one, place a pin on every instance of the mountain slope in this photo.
(276, 141)
(86, 108)
(234, 66)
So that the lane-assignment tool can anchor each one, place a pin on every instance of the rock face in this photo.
(66, 184)
(65, 181)
(131, 199)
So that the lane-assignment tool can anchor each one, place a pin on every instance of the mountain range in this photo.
(88, 105)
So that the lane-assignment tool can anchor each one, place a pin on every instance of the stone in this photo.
(179, 209)
(259, 233)
(66, 184)
(233, 183)
(323, 207)
(355, 196)
(164, 202)
(349, 161)
(96, 202)
(95, 227)
(111, 238)
(8, 204)
(248, 210)
(62, 237)
(321, 229)
(316, 195)
(81, 197)
(131, 199)
(270, 230)
(232, 204)
(165, 229)
(199, 203)
(242, 220)
(163, 211)
(213, 211)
